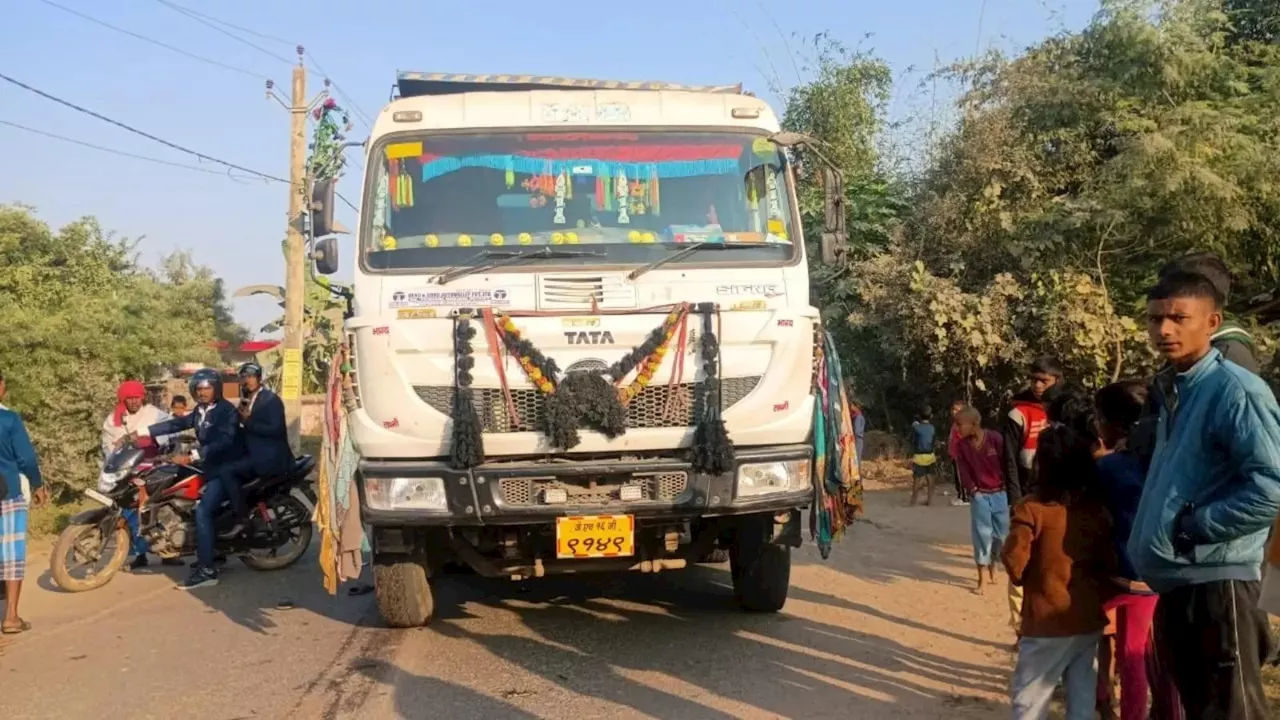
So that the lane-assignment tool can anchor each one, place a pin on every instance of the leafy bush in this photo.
(78, 315)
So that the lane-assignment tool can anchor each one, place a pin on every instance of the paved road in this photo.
(885, 629)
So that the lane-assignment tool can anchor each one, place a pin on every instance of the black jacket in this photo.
(217, 430)
(266, 435)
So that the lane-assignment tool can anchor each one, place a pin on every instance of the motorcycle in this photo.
(164, 496)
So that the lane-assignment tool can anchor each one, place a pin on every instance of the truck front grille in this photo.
(660, 487)
(650, 409)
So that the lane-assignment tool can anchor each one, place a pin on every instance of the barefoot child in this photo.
(924, 462)
(1061, 552)
(980, 462)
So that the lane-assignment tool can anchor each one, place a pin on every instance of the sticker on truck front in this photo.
(447, 298)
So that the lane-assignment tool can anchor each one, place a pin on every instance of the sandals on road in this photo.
(21, 627)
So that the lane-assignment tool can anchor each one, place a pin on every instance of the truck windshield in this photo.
(634, 197)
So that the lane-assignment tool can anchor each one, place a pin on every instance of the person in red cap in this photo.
(131, 413)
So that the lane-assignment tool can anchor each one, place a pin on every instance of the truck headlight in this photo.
(756, 479)
(425, 493)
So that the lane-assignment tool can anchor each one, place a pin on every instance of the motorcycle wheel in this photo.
(70, 541)
(291, 551)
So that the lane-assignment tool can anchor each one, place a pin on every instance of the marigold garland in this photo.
(540, 370)
(648, 367)
(584, 397)
(593, 399)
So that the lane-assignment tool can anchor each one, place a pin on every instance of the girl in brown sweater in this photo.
(1060, 552)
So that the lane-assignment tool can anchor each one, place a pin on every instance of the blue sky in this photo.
(235, 226)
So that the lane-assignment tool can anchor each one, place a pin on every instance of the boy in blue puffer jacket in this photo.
(1211, 494)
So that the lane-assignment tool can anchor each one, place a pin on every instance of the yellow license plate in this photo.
(597, 536)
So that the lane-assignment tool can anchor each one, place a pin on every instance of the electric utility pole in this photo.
(295, 285)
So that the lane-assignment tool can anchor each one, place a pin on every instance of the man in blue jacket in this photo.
(217, 426)
(265, 432)
(17, 458)
(1211, 495)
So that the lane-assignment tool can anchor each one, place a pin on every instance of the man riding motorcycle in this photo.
(220, 448)
(264, 429)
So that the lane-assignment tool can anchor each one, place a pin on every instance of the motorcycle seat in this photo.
(302, 466)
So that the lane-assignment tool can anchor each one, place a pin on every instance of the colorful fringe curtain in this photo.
(537, 166)
(342, 539)
(837, 484)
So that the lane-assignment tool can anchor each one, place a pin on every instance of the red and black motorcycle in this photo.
(163, 494)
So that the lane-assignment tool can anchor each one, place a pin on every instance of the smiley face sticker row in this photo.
(498, 240)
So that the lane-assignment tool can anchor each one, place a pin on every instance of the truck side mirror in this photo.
(326, 255)
(834, 237)
(323, 193)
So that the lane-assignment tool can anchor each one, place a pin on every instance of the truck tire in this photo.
(401, 591)
(761, 575)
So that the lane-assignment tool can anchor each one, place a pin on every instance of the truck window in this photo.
(632, 196)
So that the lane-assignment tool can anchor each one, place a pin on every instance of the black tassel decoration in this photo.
(712, 452)
(468, 440)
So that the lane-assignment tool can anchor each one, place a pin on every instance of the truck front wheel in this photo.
(761, 575)
(401, 590)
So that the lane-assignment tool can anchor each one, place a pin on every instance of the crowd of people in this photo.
(1132, 522)
(232, 444)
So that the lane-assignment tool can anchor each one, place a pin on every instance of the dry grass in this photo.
(48, 520)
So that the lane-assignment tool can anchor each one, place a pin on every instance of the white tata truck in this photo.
(581, 334)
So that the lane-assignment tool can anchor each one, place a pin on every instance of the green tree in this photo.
(1074, 170)
(1079, 167)
(78, 315)
(1254, 20)
(321, 333)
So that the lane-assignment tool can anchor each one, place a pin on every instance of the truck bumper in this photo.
(511, 493)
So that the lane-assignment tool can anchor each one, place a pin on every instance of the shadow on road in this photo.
(251, 598)
(684, 629)
(452, 700)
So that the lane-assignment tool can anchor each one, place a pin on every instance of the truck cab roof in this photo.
(419, 84)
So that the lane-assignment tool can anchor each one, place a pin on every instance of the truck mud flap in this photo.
(786, 529)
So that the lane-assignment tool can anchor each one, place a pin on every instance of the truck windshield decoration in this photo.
(632, 196)
(592, 398)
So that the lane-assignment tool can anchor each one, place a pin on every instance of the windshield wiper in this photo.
(508, 257)
(691, 249)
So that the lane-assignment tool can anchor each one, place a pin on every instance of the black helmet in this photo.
(206, 376)
(250, 369)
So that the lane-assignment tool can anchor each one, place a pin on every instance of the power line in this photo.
(198, 18)
(157, 43)
(147, 158)
(233, 26)
(207, 19)
(359, 113)
(113, 151)
(136, 131)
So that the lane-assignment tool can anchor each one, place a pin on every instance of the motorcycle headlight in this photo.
(107, 480)
(405, 493)
(756, 479)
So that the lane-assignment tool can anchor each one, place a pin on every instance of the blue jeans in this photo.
(222, 486)
(139, 544)
(1042, 662)
(989, 525)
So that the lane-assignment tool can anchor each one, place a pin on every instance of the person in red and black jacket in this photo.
(1022, 426)
(1021, 429)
